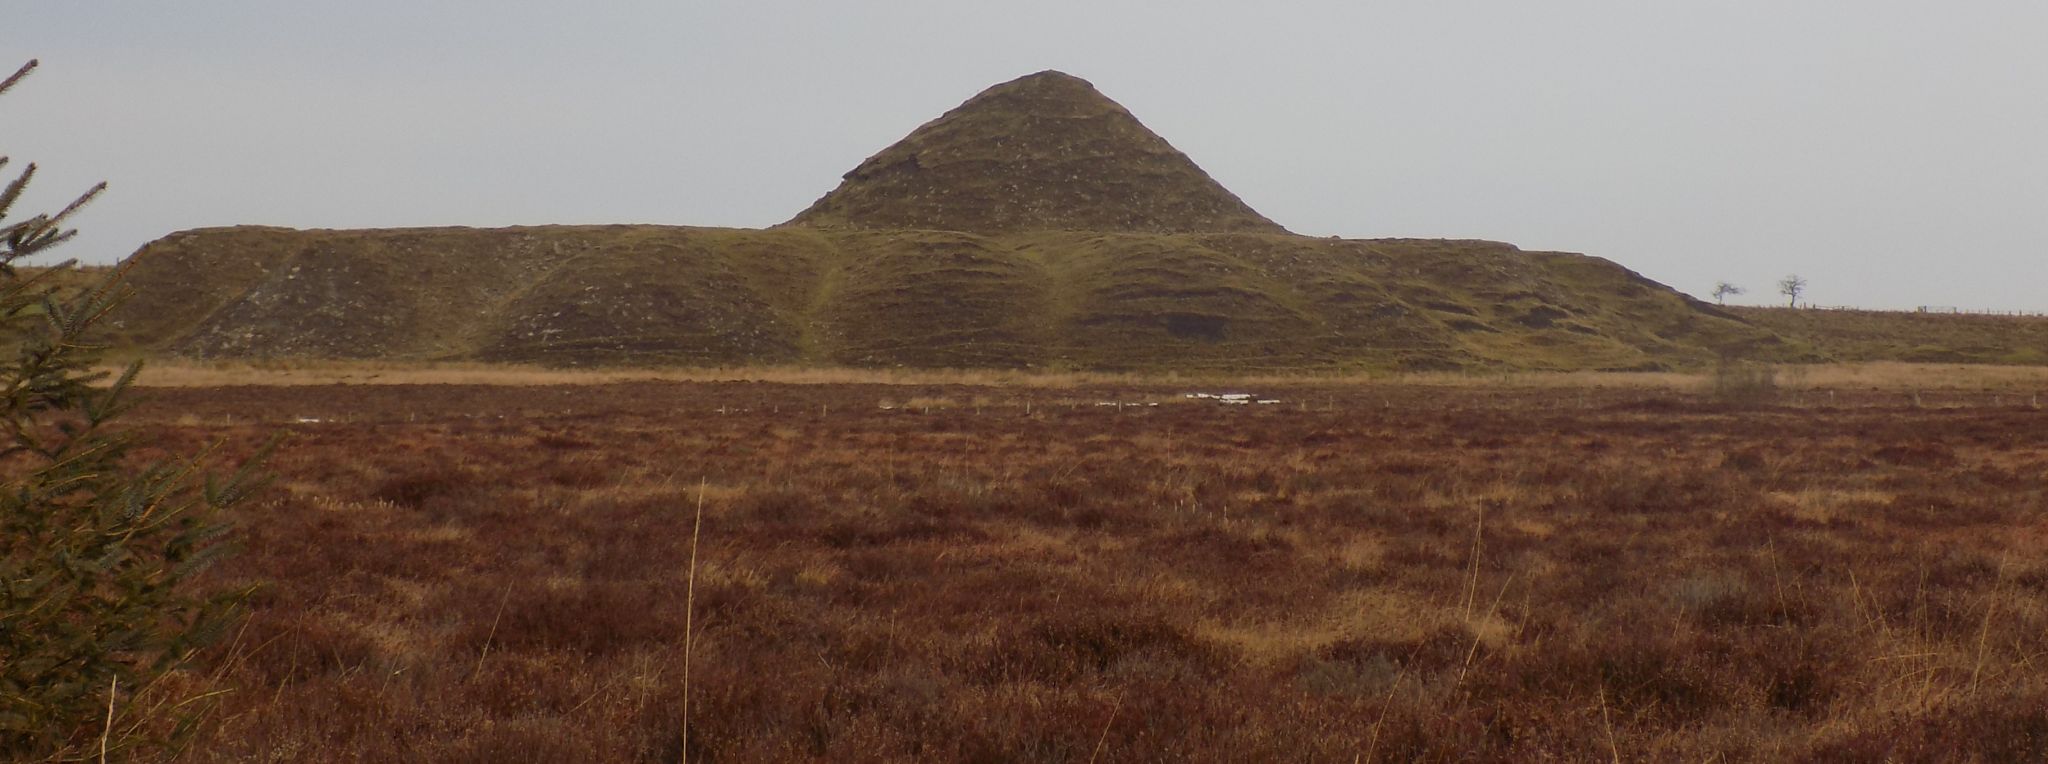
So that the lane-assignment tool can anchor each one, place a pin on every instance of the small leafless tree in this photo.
(1792, 287)
(1724, 290)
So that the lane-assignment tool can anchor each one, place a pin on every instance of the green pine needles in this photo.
(98, 552)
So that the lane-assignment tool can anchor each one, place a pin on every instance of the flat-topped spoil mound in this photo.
(1043, 152)
(1917, 337)
(623, 295)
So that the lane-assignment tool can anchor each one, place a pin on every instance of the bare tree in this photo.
(1792, 287)
(1724, 290)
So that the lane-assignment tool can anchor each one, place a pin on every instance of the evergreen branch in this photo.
(16, 77)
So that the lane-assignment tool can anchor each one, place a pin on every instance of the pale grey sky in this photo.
(1893, 153)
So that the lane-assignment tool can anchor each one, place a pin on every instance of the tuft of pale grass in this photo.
(689, 615)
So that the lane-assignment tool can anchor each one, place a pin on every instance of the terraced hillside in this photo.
(1037, 225)
(664, 295)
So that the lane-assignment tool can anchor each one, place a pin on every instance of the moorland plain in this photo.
(1408, 569)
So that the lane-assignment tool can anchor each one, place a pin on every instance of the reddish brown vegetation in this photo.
(492, 574)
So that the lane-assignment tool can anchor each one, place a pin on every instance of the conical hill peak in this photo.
(1041, 152)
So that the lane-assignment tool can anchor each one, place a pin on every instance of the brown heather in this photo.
(1365, 572)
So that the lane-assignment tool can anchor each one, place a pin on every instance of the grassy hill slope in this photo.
(1037, 225)
(586, 295)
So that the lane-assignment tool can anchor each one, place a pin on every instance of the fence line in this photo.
(1940, 310)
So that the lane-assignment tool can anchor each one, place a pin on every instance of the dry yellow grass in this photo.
(1853, 376)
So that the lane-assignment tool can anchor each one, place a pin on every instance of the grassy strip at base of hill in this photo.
(1884, 375)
